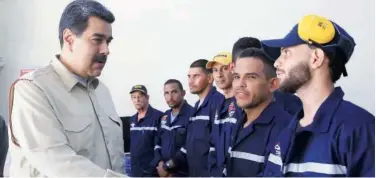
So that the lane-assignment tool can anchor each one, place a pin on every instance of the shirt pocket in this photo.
(114, 140)
(116, 120)
(200, 130)
(80, 132)
(180, 136)
(113, 131)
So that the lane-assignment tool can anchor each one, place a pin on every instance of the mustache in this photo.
(100, 58)
(240, 91)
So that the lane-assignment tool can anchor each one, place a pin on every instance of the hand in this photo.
(161, 171)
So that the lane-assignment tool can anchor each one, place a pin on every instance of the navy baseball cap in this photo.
(140, 88)
(339, 41)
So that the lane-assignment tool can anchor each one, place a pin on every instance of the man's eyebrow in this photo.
(253, 73)
(102, 36)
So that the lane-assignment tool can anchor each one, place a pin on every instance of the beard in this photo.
(176, 105)
(296, 78)
(198, 90)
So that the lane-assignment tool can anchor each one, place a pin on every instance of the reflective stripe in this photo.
(247, 156)
(275, 159)
(170, 128)
(229, 150)
(323, 168)
(227, 120)
(205, 118)
(224, 171)
(183, 150)
(211, 149)
(144, 128)
(157, 147)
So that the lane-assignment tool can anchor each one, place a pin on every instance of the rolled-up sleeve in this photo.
(42, 138)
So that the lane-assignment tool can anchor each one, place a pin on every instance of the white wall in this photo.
(173, 33)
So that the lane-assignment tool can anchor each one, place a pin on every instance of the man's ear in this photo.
(317, 58)
(147, 97)
(232, 67)
(273, 84)
(183, 93)
(68, 39)
(210, 78)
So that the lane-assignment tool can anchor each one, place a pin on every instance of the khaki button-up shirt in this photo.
(60, 128)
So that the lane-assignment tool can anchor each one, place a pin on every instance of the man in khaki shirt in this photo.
(58, 126)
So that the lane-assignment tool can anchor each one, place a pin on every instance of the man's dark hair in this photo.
(242, 44)
(269, 69)
(171, 81)
(76, 15)
(201, 63)
(336, 63)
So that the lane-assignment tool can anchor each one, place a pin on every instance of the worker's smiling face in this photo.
(222, 76)
(251, 85)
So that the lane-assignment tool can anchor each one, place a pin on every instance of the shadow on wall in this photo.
(126, 133)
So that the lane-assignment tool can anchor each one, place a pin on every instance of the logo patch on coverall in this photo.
(231, 109)
(164, 120)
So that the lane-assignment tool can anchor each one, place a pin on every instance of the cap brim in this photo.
(273, 47)
(134, 90)
(279, 43)
(210, 64)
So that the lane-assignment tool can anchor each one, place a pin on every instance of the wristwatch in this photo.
(168, 166)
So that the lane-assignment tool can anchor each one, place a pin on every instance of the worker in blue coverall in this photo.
(228, 115)
(225, 115)
(196, 149)
(289, 101)
(329, 136)
(144, 126)
(261, 118)
(173, 131)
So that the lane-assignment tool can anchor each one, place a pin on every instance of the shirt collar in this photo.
(68, 78)
(268, 113)
(207, 98)
(183, 109)
(149, 111)
(324, 115)
(80, 79)
(147, 114)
